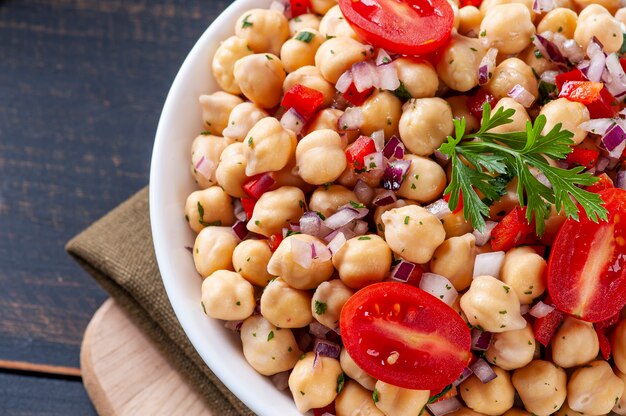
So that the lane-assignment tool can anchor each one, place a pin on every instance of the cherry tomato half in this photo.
(409, 27)
(587, 266)
(404, 336)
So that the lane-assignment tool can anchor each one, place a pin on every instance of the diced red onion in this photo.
(311, 223)
(483, 237)
(441, 158)
(540, 176)
(361, 227)
(389, 150)
(395, 173)
(379, 139)
(542, 6)
(344, 81)
(240, 230)
(572, 51)
(597, 61)
(326, 348)
(346, 230)
(293, 121)
(481, 340)
(384, 198)
(319, 252)
(464, 375)
(488, 264)
(240, 213)
(233, 325)
(548, 49)
(438, 286)
(597, 125)
(614, 142)
(483, 370)
(382, 57)
(189, 249)
(616, 84)
(363, 192)
(540, 310)
(373, 161)
(523, 309)
(281, 380)
(620, 180)
(487, 65)
(549, 76)
(351, 119)
(336, 243)
(301, 253)
(439, 208)
(402, 271)
(318, 330)
(364, 75)
(304, 341)
(342, 217)
(387, 77)
(443, 407)
(205, 167)
(521, 95)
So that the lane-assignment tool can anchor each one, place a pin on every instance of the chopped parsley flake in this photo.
(320, 307)
(364, 238)
(340, 382)
(406, 219)
(203, 307)
(270, 335)
(375, 396)
(246, 23)
(305, 37)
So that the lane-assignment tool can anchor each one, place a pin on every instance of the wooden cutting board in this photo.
(124, 374)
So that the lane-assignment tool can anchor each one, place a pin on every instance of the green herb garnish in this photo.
(305, 37)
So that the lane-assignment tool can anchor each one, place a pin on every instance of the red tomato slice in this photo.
(587, 266)
(583, 157)
(401, 335)
(409, 27)
(475, 102)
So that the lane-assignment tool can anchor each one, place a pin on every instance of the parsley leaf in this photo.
(485, 161)
(305, 37)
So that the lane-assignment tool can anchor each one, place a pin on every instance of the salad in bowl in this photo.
(403, 207)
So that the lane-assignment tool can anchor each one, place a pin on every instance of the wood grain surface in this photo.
(82, 84)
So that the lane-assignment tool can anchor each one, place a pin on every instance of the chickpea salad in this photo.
(416, 207)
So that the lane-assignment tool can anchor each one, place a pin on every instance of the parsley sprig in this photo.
(480, 160)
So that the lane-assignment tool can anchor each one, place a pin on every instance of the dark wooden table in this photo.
(82, 83)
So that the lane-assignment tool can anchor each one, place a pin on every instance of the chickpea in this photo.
(213, 250)
(337, 55)
(569, 113)
(311, 77)
(288, 176)
(594, 389)
(314, 386)
(362, 261)
(353, 371)
(610, 5)
(460, 58)
(469, 21)
(397, 401)
(465, 411)
(322, 7)
(618, 346)
(356, 400)
(226, 295)
(486, 295)
(458, 106)
(537, 62)
(524, 270)
(320, 157)
(493, 398)
(509, 73)
(216, 109)
(486, 5)
(300, 50)
(620, 15)
(566, 411)
(560, 20)
(267, 67)
(268, 146)
(413, 233)
(425, 124)
(575, 343)
(250, 259)
(425, 180)
(541, 386)
(379, 211)
(596, 21)
(268, 349)
(508, 27)
(231, 170)
(223, 64)
(304, 21)
(211, 206)
(455, 225)
(454, 259)
(276, 209)
(333, 24)
(506, 203)
(328, 118)
(205, 154)
(242, 118)
(418, 77)
(516, 412)
(350, 177)
(520, 117)
(327, 199)
(381, 111)
(328, 300)
(285, 306)
(264, 30)
(455, 10)
(620, 406)
(283, 264)
(512, 349)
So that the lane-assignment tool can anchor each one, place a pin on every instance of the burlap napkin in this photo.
(117, 251)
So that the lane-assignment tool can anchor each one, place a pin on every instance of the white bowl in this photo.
(170, 184)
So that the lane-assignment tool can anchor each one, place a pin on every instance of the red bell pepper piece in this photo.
(545, 328)
(274, 241)
(459, 207)
(605, 344)
(512, 231)
(606, 106)
(257, 185)
(306, 101)
(585, 92)
(299, 7)
(355, 97)
(356, 152)
(604, 183)
(583, 157)
(248, 206)
(475, 102)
